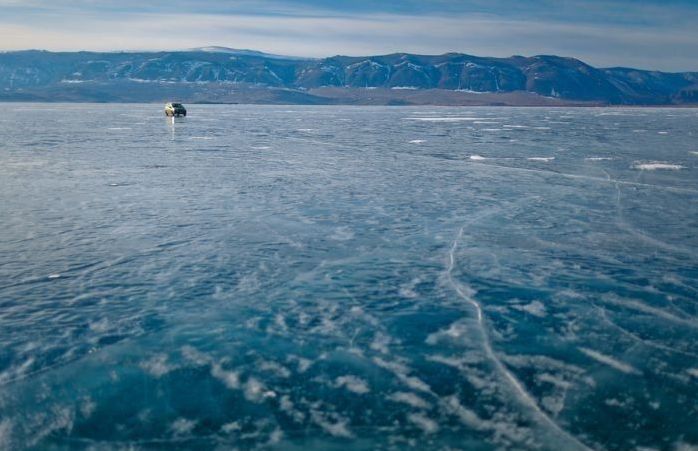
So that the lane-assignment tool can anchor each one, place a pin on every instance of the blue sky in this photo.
(648, 34)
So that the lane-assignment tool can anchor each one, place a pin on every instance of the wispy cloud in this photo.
(314, 28)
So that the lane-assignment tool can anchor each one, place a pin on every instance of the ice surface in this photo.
(314, 279)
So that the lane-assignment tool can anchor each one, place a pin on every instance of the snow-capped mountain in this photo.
(101, 76)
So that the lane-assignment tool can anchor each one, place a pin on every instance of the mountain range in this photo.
(219, 74)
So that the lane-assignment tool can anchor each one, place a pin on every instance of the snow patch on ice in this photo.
(157, 366)
(6, 434)
(381, 343)
(445, 119)
(342, 234)
(535, 308)
(454, 332)
(423, 422)
(655, 165)
(256, 391)
(410, 399)
(182, 426)
(353, 384)
(332, 424)
(228, 428)
(402, 373)
(230, 379)
(87, 408)
(287, 407)
(610, 361)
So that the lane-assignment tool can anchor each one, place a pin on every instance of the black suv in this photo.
(175, 109)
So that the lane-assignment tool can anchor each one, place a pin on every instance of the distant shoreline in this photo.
(227, 94)
(229, 76)
(405, 105)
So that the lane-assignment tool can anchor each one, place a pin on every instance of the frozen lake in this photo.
(348, 278)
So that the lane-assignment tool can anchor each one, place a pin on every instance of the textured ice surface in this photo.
(258, 277)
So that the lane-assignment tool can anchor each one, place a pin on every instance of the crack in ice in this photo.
(587, 177)
(468, 295)
(625, 225)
